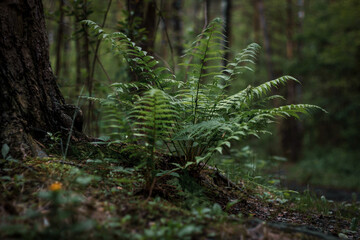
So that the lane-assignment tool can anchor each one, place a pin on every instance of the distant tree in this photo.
(177, 26)
(226, 12)
(264, 27)
(145, 11)
(30, 101)
(60, 38)
(290, 129)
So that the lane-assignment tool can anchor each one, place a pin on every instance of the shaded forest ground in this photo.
(97, 193)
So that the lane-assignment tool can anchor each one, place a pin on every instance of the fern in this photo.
(194, 118)
(154, 119)
(140, 63)
(205, 51)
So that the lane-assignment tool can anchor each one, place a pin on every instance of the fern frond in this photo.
(196, 119)
(235, 101)
(293, 110)
(154, 116)
(139, 61)
(236, 68)
(265, 88)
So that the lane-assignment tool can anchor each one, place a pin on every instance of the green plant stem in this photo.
(72, 125)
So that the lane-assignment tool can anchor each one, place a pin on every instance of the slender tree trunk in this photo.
(256, 22)
(30, 101)
(94, 117)
(164, 11)
(86, 61)
(301, 16)
(226, 6)
(289, 30)
(291, 137)
(268, 51)
(197, 11)
(78, 82)
(60, 37)
(150, 25)
(67, 48)
(207, 14)
(86, 50)
(146, 10)
(177, 27)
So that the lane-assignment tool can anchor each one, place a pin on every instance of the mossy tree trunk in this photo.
(31, 103)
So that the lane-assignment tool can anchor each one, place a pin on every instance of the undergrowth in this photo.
(99, 198)
(192, 118)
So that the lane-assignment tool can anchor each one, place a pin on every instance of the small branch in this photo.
(103, 68)
(98, 42)
(167, 37)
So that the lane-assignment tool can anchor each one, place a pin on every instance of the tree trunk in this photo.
(256, 23)
(226, 6)
(60, 37)
(178, 27)
(268, 51)
(88, 80)
(67, 49)
(207, 14)
(146, 10)
(78, 82)
(291, 137)
(30, 101)
(142, 15)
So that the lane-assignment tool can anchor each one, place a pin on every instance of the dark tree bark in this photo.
(207, 14)
(226, 9)
(30, 101)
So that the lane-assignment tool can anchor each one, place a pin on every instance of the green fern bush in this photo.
(192, 118)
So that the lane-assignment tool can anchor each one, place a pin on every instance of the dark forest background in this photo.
(318, 42)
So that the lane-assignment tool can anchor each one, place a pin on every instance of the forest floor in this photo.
(98, 193)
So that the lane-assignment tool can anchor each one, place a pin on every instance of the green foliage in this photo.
(194, 118)
(5, 149)
(171, 229)
(153, 121)
(245, 164)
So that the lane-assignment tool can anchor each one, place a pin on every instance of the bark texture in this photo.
(30, 101)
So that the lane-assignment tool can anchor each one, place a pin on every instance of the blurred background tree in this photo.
(317, 42)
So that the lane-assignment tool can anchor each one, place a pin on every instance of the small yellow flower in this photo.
(56, 186)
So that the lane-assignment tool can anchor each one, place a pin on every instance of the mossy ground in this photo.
(102, 197)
